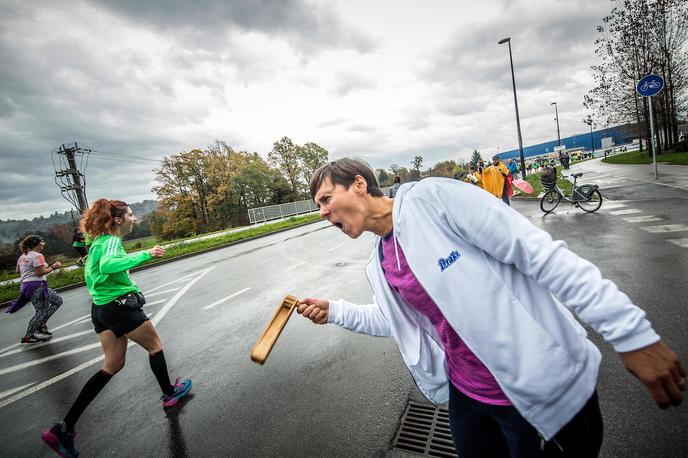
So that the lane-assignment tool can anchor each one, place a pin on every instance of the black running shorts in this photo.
(117, 318)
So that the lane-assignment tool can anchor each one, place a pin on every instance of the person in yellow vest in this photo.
(494, 179)
(473, 177)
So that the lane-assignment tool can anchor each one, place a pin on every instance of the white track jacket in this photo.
(500, 282)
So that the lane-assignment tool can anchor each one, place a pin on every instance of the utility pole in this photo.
(71, 180)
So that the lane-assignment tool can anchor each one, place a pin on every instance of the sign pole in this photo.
(652, 138)
(648, 86)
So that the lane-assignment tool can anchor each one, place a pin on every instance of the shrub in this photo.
(681, 147)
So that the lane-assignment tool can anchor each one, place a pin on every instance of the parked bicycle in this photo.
(586, 196)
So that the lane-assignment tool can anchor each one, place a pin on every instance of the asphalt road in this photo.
(325, 391)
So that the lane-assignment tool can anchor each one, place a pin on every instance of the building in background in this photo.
(605, 138)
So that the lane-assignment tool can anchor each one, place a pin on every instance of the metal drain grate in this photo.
(425, 431)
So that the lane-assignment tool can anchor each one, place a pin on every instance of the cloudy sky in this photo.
(379, 80)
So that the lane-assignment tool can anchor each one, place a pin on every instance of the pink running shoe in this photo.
(181, 388)
(61, 441)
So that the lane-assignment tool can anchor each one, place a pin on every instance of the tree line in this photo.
(637, 38)
(203, 190)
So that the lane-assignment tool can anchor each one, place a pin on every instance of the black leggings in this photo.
(484, 430)
(45, 307)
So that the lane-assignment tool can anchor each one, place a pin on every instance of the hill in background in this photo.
(11, 229)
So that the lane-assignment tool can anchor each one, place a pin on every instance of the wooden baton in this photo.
(267, 340)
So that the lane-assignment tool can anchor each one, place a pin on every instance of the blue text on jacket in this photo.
(444, 263)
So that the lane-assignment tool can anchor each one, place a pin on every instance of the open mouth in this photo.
(339, 225)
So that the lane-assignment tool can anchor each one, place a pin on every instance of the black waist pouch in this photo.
(131, 301)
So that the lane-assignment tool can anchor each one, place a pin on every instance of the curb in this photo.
(184, 256)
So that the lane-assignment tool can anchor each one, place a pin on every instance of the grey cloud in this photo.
(203, 22)
(31, 190)
(543, 51)
(346, 82)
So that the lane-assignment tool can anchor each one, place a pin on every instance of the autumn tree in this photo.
(312, 156)
(637, 38)
(446, 169)
(383, 178)
(285, 157)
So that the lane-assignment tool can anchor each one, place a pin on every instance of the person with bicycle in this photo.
(516, 367)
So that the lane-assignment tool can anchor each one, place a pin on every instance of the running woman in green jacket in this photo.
(117, 315)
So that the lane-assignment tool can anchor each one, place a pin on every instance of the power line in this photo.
(124, 156)
(123, 160)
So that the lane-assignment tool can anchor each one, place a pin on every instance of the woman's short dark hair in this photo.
(397, 179)
(343, 171)
(30, 242)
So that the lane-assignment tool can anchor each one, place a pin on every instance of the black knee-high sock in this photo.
(88, 394)
(159, 368)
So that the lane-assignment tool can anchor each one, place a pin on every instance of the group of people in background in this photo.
(495, 178)
(537, 166)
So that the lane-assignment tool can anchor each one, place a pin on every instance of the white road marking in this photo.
(29, 347)
(294, 266)
(642, 219)
(216, 303)
(70, 323)
(160, 301)
(49, 382)
(161, 292)
(665, 228)
(651, 182)
(608, 205)
(36, 362)
(335, 247)
(9, 347)
(176, 297)
(629, 211)
(172, 282)
(85, 320)
(6, 393)
(90, 363)
(680, 242)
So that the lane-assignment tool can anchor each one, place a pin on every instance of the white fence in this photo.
(261, 214)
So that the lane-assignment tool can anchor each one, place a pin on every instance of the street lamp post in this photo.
(556, 114)
(518, 121)
(588, 121)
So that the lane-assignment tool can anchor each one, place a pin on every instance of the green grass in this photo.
(141, 244)
(64, 278)
(642, 157)
(534, 180)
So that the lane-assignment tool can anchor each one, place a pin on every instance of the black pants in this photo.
(483, 430)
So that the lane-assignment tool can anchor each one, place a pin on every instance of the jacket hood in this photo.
(399, 202)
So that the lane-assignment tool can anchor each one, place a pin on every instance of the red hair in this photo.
(100, 218)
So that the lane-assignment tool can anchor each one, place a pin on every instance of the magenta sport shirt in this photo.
(465, 370)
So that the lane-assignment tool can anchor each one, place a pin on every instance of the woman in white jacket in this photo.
(515, 366)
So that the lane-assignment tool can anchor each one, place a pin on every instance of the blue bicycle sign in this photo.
(650, 85)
